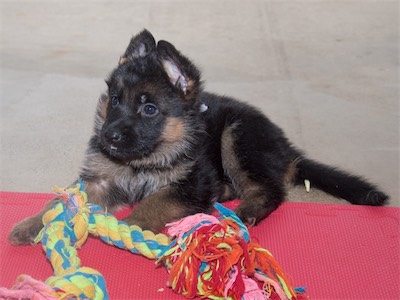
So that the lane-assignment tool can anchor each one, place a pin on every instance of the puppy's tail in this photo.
(338, 183)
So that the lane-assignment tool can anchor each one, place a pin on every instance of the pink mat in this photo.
(335, 251)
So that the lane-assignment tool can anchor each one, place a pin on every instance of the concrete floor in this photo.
(326, 71)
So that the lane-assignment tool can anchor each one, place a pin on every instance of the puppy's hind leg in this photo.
(259, 186)
(259, 201)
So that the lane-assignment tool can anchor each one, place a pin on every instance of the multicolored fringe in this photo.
(214, 258)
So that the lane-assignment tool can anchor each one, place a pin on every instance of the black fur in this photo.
(339, 183)
(160, 140)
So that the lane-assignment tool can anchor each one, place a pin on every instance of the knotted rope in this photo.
(207, 257)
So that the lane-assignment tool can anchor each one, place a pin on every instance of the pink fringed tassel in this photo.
(28, 288)
(251, 289)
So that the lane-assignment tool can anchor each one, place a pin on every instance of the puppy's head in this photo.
(150, 110)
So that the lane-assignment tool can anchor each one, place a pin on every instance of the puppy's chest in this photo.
(138, 184)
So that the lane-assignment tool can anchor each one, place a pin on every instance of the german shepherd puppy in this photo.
(162, 141)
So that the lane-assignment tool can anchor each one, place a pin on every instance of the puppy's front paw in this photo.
(144, 223)
(132, 220)
(25, 232)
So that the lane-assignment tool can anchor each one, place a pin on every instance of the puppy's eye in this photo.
(114, 101)
(149, 110)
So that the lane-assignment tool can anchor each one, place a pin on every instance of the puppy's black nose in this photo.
(116, 137)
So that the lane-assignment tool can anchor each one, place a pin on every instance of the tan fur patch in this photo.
(290, 174)
(122, 60)
(252, 209)
(101, 113)
(230, 163)
(227, 193)
(174, 130)
(190, 84)
(102, 106)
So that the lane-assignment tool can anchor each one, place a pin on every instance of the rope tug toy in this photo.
(206, 256)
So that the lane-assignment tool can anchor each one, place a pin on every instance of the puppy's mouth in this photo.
(117, 153)
(120, 152)
(113, 149)
(124, 154)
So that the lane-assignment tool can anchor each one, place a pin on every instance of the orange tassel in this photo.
(217, 260)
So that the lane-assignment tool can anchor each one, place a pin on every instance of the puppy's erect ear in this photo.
(181, 72)
(140, 46)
